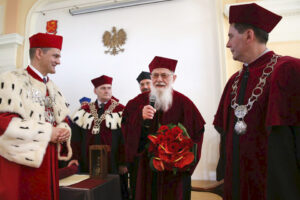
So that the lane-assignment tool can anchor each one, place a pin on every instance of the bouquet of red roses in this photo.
(171, 148)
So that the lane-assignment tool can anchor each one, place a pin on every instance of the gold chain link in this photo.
(258, 90)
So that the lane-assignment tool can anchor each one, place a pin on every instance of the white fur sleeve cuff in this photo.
(83, 119)
(25, 141)
(113, 120)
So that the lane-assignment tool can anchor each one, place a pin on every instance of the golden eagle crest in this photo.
(114, 40)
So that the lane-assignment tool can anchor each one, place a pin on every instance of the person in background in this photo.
(84, 101)
(99, 123)
(33, 112)
(259, 113)
(140, 119)
(144, 81)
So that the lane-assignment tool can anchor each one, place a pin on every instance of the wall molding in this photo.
(9, 44)
(12, 38)
(281, 7)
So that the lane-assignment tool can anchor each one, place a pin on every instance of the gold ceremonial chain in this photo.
(97, 120)
(240, 111)
(37, 97)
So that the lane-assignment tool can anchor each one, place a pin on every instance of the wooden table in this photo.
(92, 189)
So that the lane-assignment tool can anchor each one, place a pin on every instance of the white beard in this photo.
(164, 97)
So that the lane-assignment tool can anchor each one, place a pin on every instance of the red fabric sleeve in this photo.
(284, 100)
(5, 119)
(221, 117)
(132, 127)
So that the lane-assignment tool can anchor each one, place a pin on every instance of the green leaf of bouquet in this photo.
(185, 133)
(171, 125)
(147, 145)
(174, 170)
(194, 150)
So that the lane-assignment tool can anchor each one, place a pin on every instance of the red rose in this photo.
(168, 137)
(162, 129)
(176, 130)
(173, 147)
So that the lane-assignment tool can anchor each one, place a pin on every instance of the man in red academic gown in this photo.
(32, 115)
(99, 123)
(259, 113)
(170, 107)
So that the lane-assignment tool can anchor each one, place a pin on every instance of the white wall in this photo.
(186, 30)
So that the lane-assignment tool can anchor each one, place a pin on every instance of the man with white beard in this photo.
(141, 119)
(161, 91)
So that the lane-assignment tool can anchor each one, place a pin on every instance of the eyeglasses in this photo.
(163, 75)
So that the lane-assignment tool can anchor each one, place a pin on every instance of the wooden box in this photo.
(99, 160)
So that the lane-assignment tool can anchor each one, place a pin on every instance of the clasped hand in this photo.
(59, 135)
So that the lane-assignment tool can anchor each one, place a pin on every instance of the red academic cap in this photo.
(255, 15)
(44, 40)
(161, 62)
(101, 80)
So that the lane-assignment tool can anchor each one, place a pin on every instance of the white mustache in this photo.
(160, 84)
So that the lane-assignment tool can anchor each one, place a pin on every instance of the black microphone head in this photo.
(152, 99)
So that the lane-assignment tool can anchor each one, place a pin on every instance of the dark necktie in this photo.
(45, 80)
(101, 109)
(97, 139)
(235, 142)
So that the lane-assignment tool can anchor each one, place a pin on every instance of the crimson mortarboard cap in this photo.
(83, 99)
(44, 40)
(143, 75)
(161, 62)
(255, 15)
(101, 80)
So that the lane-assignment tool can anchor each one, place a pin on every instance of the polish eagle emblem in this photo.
(114, 40)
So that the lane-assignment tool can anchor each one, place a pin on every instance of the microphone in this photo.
(152, 99)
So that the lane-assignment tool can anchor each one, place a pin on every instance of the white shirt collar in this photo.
(38, 73)
(263, 53)
(99, 103)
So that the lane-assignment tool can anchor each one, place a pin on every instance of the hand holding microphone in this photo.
(149, 111)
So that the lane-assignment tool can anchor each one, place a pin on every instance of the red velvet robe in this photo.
(167, 185)
(279, 105)
(81, 154)
(19, 182)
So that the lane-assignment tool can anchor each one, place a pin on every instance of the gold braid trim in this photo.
(97, 120)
